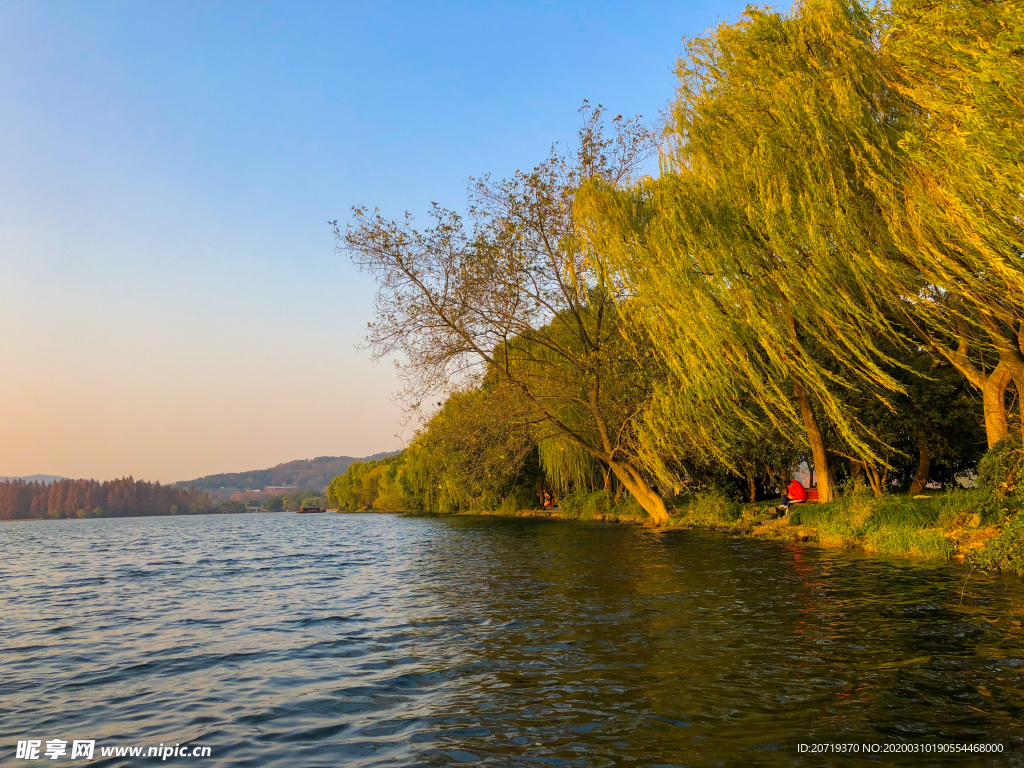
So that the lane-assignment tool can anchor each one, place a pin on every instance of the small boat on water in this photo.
(310, 510)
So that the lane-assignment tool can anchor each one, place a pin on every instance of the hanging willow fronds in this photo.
(566, 466)
(762, 242)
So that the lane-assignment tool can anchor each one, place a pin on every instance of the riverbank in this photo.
(961, 525)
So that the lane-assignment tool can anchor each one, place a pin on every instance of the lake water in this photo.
(374, 640)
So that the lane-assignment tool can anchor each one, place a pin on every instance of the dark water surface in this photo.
(371, 640)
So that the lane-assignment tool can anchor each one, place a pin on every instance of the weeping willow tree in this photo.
(763, 239)
(687, 442)
(840, 188)
(520, 297)
(472, 453)
(957, 212)
(566, 467)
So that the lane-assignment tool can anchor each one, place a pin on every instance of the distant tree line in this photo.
(293, 500)
(828, 268)
(126, 497)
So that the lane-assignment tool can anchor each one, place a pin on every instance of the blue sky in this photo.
(171, 303)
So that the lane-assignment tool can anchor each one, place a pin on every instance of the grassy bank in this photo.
(962, 525)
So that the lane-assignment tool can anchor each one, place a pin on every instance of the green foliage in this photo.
(472, 454)
(740, 315)
(358, 487)
(520, 499)
(581, 504)
(962, 507)
(293, 500)
(935, 412)
(1000, 469)
(92, 513)
(566, 466)
(762, 275)
(1005, 552)
(827, 270)
(515, 303)
(957, 66)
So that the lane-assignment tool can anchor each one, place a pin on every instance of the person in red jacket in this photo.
(795, 494)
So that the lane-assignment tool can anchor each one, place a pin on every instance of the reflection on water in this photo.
(366, 640)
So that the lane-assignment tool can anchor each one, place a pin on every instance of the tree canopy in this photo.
(827, 268)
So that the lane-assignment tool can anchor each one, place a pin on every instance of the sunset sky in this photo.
(171, 303)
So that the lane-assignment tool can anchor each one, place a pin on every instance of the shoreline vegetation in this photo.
(927, 526)
(815, 261)
(976, 526)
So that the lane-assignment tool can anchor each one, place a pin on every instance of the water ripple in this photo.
(368, 640)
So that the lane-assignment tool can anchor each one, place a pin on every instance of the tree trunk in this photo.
(993, 398)
(648, 498)
(607, 479)
(876, 477)
(992, 385)
(826, 488)
(924, 463)
(752, 485)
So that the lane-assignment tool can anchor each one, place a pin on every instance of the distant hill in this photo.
(32, 478)
(313, 474)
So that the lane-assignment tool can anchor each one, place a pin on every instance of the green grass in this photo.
(584, 505)
(894, 524)
(963, 508)
(709, 509)
(902, 525)
(904, 512)
(839, 523)
(909, 540)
